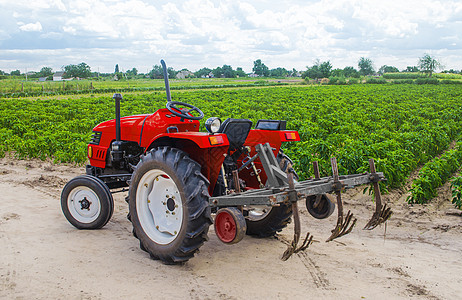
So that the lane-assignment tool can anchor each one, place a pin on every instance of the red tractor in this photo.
(178, 177)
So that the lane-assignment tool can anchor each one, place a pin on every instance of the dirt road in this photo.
(43, 257)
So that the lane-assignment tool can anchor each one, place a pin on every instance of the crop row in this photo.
(434, 174)
(456, 186)
(400, 126)
(76, 88)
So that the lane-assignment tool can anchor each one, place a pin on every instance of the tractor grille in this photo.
(100, 154)
(96, 137)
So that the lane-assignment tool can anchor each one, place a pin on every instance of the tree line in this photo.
(426, 64)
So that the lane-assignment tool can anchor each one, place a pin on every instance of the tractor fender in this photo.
(200, 139)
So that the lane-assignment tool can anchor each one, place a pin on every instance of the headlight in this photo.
(213, 124)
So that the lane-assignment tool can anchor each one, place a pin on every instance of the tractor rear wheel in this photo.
(86, 202)
(265, 222)
(168, 203)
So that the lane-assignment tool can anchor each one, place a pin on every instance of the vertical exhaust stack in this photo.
(117, 98)
(117, 153)
(167, 85)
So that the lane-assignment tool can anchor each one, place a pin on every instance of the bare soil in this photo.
(417, 255)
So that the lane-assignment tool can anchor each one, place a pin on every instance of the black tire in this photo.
(95, 203)
(176, 175)
(268, 223)
(325, 208)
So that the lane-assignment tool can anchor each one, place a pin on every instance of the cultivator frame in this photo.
(282, 188)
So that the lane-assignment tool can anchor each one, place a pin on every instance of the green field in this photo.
(400, 126)
(21, 88)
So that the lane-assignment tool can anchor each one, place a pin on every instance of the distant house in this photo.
(58, 76)
(184, 74)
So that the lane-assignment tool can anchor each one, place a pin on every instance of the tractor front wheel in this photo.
(168, 202)
(86, 202)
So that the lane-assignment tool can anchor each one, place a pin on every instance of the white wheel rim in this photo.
(256, 213)
(84, 205)
(159, 207)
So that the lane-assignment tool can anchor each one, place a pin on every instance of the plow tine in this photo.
(382, 213)
(343, 223)
(379, 218)
(289, 251)
(345, 228)
(306, 243)
(292, 248)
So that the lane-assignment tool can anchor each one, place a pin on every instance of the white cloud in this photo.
(31, 26)
(198, 33)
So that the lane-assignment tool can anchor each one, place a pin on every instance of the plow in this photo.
(285, 190)
(180, 181)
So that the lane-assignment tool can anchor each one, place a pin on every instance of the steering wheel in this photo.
(184, 113)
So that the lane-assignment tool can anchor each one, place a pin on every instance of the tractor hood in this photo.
(130, 127)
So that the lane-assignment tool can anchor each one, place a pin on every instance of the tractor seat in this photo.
(237, 131)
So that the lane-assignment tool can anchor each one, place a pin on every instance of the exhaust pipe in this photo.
(117, 153)
(167, 85)
(117, 98)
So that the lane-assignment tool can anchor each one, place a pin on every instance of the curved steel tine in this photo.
(343, 223)
(293, 198)
(382, 213)
(345, 228)
(290, 250)
(306, 243)
(335, 232)
(379, 218)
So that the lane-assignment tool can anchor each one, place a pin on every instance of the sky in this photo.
(194, 34)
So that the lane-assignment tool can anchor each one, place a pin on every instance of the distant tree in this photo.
(116, 69)
(451, 71)
(15, 73)
(293, 73)
(2, 73)
(240, 72)
(81, 70)
(204, 72)
(325, 69)
(132, 72)
(318, 70)
(218, 72)
(279, 72)
(312, 72)
(158, 73)
(411, 69)
(350, 72)
(171, 73)
(45, 72)
(228, 71)
(365, 66)
(337, 72)
(428, 64)
(260, 68)
(387, 69)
